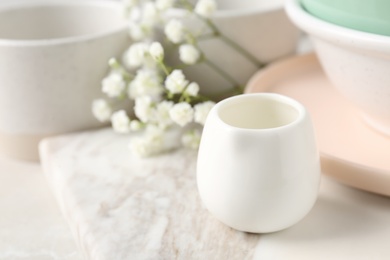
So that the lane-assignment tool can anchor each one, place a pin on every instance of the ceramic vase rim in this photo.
(229, 13)
(301, 112)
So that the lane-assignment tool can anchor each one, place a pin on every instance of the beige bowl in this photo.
(53, 57)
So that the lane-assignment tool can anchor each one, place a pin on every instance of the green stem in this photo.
(206, 36)
(115, 65)
(202, 98)
(224, 74)
(183, 95)
(163, 67)
(242, 51)
(233, 44)
(226, 93)
(187, 5)
(227, 40)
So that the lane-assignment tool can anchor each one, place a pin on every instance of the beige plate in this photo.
(351, 152)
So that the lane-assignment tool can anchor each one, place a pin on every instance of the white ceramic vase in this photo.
(258, 167)
(53, 56)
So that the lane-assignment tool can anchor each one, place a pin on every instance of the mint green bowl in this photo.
(371, 16)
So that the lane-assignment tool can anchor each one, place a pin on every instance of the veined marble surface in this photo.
(122, 207)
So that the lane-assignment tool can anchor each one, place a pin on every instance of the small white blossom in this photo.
(162, 113)
(176, 82)
(134, 14)
(146, 82)
(191, 139)
(174, 30)
(135, 55)
(120, 122)
(155, 140)
(129, 4)
(164, 4)
(144, 109)
(113, 85)
(101, 110)
(192, 89)
(113, 63)
(205, 7)
(156, 51)
(135, 125)
(189, 54)
(150, 14)
(202, 110)
(149, 144)
(137, 31)
(182, 113)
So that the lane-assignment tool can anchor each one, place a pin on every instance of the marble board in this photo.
(122, 207)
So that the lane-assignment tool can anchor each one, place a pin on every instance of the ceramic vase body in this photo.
(258, 167)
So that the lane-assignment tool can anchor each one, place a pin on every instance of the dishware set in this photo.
(258, 165)
(357, 62)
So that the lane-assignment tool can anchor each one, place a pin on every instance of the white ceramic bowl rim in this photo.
(113, 5)
(335, 33)
(302, 112)
(277, 5)
(246, 11)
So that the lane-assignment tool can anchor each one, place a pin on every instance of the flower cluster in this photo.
(168, 107)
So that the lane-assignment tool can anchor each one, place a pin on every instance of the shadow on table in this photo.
(330, 219)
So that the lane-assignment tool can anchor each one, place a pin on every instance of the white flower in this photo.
(174, 30)
(135, 125)
(113, 85)
(155, 140)
(150, 14)
(147, 145)
(143, 108)
(129, 4)
(137, 32)
(202, 110)
(164, 4)
(162, 113)
(156, 51)
(182, 113)
(189, 54)
(120, 122)
(176, 82)
(113, 63)
(135, 55)
(205, 7)
(135, 13)
(146, 82)
(191, 139)
(192, 89)
(101, 110)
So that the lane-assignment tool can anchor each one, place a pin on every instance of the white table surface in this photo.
(31, 225)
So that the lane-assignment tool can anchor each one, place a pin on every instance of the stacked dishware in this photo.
(352, 42)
